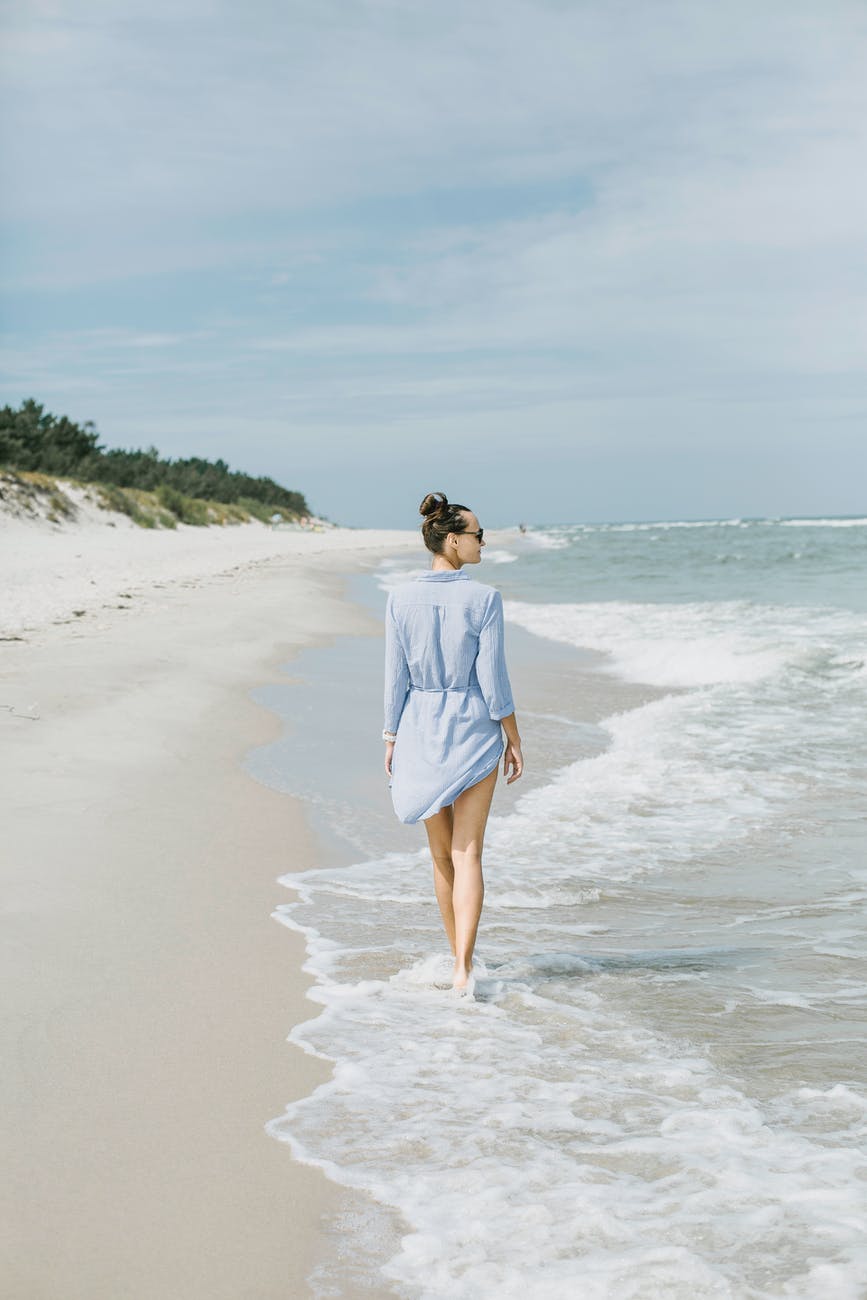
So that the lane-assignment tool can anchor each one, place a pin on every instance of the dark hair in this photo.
(441, 517)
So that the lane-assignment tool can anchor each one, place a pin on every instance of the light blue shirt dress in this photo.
(446, 688)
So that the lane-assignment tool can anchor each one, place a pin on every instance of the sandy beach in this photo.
(148, 991)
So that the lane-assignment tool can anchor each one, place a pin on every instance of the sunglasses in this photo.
(479, 535)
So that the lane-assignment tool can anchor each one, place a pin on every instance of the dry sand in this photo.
(148, 992)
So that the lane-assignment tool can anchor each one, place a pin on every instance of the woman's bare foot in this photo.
(461, 977)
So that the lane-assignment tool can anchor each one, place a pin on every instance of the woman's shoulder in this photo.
(463, 590)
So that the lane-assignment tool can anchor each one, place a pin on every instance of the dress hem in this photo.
(432, 812)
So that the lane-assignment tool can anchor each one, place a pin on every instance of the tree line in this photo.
(31, 438)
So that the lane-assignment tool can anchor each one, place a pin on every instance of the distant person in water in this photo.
(448, 701)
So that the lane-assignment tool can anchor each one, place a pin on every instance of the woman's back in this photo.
(449, 631)
(446, 688)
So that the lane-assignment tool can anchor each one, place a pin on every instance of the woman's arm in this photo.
(512, 756)
(496, 688)
(396, 680)
(491, 662)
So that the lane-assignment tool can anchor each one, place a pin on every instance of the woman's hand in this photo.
(389, 754)
(512, 757)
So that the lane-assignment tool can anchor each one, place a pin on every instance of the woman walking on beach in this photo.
(447, 702)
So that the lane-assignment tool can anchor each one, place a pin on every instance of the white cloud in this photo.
(402, 212)
(149, 106)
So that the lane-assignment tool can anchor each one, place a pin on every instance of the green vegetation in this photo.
(152, 491)
(142, 507)
(30, 494)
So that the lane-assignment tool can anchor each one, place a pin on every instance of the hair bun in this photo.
(435, 503)
(441, 517)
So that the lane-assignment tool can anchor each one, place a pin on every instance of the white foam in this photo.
(662, 525)
(696, 644)
(550, 540)
(499, 557)
(823, 523)
(391, 575)
(656, 797)
(653, 525)
(528, 1141)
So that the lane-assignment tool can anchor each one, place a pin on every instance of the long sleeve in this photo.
(491, 662)
(396, 671)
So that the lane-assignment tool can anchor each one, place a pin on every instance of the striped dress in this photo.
(446, 688)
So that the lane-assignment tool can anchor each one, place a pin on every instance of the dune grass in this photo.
(31, 494)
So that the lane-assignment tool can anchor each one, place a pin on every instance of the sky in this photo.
(563, 260)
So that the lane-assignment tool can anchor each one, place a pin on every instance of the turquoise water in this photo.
(784, 562)
(660, 1087)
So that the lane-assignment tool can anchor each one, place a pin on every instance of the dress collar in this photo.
(443, 575)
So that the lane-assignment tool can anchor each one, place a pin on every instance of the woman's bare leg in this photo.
(470, 818)
(439, 835)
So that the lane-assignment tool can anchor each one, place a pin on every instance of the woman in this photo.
(447, 702)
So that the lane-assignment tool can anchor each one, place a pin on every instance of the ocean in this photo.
(659, 1088)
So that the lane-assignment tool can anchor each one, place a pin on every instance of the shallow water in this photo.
(659, 1087)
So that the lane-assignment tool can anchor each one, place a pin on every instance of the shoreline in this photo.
(350, 814)
(150, 993)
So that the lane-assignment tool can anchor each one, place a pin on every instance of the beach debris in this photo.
(30, 714)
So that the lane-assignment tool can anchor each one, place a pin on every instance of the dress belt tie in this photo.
(439, 690)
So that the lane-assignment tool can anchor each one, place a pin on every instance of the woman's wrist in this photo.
(389, 736)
